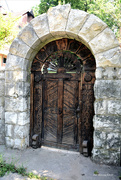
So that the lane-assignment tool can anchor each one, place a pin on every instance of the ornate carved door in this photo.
(62, 97)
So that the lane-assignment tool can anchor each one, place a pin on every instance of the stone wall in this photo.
(63, 22)
(2, 106)
(107, 120)
(17, 106)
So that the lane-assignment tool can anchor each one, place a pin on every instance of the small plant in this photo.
(120, 176)
(96, 172)
(7, 168)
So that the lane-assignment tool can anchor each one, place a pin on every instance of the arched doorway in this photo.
(63, 22)
(62, 80)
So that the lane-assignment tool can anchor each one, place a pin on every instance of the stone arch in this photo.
(64, 22)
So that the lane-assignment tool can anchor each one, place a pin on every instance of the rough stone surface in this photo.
(16, 63)
(114, 107)
(108, 89)
(105, 40)
(2, 106)
(16, 104)
(112, 57)
(10, 117)
(99, 73)
(57, 17)
(100, 107)
(23, 118)
(76, 20)
(107, 123)
(20, 48)
(9, 142)
(41, 27)
(92, 27)
(21, 131)
(14, 76)
(17, 89)
(29, 36)
(9, 130)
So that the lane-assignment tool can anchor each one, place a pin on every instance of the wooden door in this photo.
(62, 97)
(60, 102)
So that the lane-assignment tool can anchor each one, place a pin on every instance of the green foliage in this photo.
(108, 11)
(96, 172)
(8, 29)
(10, 167)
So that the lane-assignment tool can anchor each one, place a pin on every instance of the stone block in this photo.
(118, 73)
(2, 128)
(104, 41)
(9, 129)
(21, 132)
(111, 57)
(99, 73)
(110, 73)
(109, 157)
(23, 118)
(98, 141)
(13, 76)
(76, 20)
(2, 101)
(2, 74)
(2, 113)
(107, 89)
(41, 27)
(2, 88)
(107, 123)
(29, 36)
(9, 142)
(16, 63)
(20, 143)
(57, 17)
(100, 107)
(16, 104)
(10, 118)
(22, 88)
(17, 89)
(20, 48)
(113, 140)
(2, 139)
(92, 27)
(2, 121)
(114, 107)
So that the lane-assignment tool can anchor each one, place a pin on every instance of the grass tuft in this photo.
(10, 167)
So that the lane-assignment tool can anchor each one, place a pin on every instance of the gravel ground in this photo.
(57, 164)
